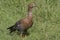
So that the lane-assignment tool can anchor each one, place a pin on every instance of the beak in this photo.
(35, 5)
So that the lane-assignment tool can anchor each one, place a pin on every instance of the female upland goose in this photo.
(24, 24)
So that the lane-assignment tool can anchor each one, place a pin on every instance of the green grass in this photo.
(46, 19)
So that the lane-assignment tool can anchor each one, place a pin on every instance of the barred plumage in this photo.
(24, 24)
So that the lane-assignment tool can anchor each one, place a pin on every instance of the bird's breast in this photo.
(27, 23)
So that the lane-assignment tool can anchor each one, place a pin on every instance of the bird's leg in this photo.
(26, 32)
(23, 34)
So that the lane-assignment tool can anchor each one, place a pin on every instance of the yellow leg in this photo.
(22, 37)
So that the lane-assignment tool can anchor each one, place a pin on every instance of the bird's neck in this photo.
(30, 13)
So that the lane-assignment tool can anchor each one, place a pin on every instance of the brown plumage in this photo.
(24, 24)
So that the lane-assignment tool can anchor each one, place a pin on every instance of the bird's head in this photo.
(31, 5)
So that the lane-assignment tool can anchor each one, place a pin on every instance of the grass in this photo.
(46, 19)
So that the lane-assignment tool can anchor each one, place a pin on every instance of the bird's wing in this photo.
(25, 23)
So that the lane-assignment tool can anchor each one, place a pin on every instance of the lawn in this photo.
(46, 19)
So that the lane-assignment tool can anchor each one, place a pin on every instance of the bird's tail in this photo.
(12, 28)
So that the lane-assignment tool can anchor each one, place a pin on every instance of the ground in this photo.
(46, 18)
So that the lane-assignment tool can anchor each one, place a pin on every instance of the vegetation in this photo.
(46, 19)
